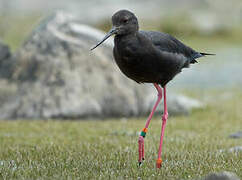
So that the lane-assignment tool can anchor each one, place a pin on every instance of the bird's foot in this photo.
(158, 163)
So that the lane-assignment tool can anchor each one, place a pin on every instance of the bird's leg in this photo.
(164, 119)
(144, 131)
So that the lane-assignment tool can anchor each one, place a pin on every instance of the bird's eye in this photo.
(125, 20)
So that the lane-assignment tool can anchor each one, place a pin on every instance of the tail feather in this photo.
(198, 55)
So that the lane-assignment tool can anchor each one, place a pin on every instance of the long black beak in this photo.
(110, 33)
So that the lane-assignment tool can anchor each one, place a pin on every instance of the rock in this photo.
(222, 176)
(6, 62)
(236, 135)
(7, 91)
(57, 76)
(177, 103)
(236, 149)
(7, 88)
(4, 52)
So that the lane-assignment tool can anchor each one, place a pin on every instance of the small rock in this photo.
(236, 149)
(222, 176)
(236, 135)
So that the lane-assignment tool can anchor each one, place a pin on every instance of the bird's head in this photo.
(124, 22)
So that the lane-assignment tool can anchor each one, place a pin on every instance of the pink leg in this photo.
(144, 131)
(164, 119)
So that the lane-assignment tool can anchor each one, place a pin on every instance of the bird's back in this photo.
(168, 43)
(152, 57)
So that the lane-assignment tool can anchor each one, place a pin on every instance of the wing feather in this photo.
(168, 43)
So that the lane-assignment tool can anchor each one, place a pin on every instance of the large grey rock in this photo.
(59, 77)
(222, 176)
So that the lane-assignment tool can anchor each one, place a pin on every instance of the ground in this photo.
(108, 149)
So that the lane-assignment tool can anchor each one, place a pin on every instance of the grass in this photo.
(108, 149)
(15, 29)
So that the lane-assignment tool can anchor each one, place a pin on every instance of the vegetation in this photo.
(15, 29)
(193, 147)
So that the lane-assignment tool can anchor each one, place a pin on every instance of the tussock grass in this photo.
(108, 149)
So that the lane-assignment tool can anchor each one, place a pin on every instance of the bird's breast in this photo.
(135, 60)
(132, 66)
(126, 49)
(124, 56)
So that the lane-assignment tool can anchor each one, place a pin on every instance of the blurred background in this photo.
(201, 18)
(207, 26)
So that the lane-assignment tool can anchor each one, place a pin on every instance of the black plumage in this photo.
(148, 56)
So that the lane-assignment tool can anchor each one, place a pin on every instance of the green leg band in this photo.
(143, 134)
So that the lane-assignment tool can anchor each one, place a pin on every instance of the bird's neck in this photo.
(125, 37)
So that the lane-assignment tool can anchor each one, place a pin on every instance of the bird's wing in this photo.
(168, 43)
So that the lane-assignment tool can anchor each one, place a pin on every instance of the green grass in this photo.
(15, 29)
(108, 149)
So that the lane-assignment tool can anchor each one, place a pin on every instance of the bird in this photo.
(148, 57)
